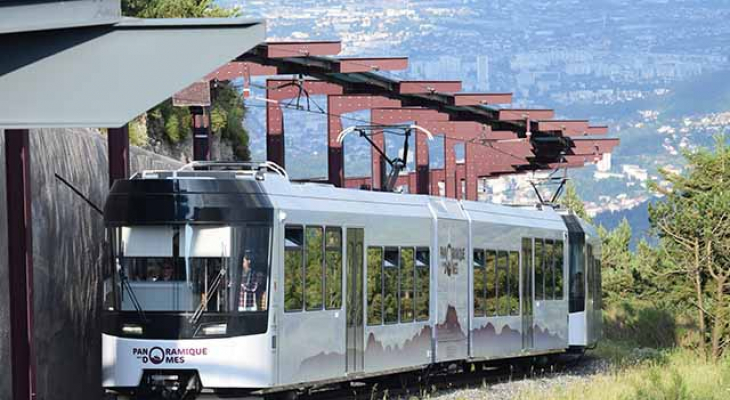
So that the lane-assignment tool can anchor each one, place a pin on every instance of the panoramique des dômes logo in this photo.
(158, 355)
(450, 258)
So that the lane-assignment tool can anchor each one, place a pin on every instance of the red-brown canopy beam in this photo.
(523, 114)
(415, 87)
(475, 99)
(303, 49)
(350, 65)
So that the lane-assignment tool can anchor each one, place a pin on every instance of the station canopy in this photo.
(80, 64)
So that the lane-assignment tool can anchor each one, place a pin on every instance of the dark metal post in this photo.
(20, 262)
(201, 133)
(118, 148)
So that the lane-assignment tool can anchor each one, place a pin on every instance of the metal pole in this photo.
(118, 148)
(20, 262)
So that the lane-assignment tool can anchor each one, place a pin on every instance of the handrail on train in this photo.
(257, 168)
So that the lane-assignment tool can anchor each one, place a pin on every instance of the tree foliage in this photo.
(174, 124)
(572, 201)
(693, 223)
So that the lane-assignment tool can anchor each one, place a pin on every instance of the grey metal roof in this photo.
(34, 15)
(104, 76)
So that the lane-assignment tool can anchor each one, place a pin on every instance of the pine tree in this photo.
(572, 201)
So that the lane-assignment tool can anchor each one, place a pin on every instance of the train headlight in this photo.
(130, 329)
(214, 330)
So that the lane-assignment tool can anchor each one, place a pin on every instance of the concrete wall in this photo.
(67, 250)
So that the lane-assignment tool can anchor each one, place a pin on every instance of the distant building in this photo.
(605, 164)
(483, 72)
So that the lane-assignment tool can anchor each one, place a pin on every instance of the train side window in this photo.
(390, 285)
(502, 283)
(333, 268)
(423, 283)
(539, 268)
(559, 270)
(293, 268)
(480, 282)
(407, 284)
(548, 269)
(491, 285)
(375, 286)
(314, 269)
(514, 282)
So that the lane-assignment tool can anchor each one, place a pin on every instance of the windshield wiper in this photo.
(204, 304)
(132, 296)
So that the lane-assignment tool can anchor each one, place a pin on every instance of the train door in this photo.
(527, 298)
(355, 333)
(452, 325)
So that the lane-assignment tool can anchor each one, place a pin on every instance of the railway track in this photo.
(454, 377)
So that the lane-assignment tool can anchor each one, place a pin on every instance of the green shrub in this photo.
(640, 323)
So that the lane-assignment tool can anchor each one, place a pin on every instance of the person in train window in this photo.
(252, 285)
(167, 272)
(153, 273)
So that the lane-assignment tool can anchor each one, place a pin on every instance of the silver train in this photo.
(236, 280)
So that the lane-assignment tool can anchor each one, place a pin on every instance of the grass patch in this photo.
(675, 374)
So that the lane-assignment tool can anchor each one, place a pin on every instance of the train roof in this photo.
(269, 180)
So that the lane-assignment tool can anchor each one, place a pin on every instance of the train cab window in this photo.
(558, 274)
(503, 306)
(589, 272)
(423, 283)
(548, 270)
(577, 268)
(539, 269)
(333, 268)
(314, 269)
(490, 271)
(514, 283)
(375, 285)
(480, 282)
(390, 285)
(293, 268)
(407, 284)
(598, 302)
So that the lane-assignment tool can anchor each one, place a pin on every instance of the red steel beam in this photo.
(513, 114)
(593, 146)
(302, 49)
(565, 128)
(118, 157)
(475, 99)
(337, 105)
(597, 130)
(20, 263)
(240, 69)
(418, 87)
(352, 65)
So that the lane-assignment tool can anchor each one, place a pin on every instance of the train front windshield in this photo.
(188, 281)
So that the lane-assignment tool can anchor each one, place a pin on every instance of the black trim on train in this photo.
(182, 201)
(576, 257)
(175, 326)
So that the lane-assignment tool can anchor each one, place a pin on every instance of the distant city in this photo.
(656, 71)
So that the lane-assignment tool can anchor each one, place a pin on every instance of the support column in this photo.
(335, 154)
(20, 262)
(379, 167)
(201, 133)
(450, 167)
(118, 157)
(423, 175)
(274, 133)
